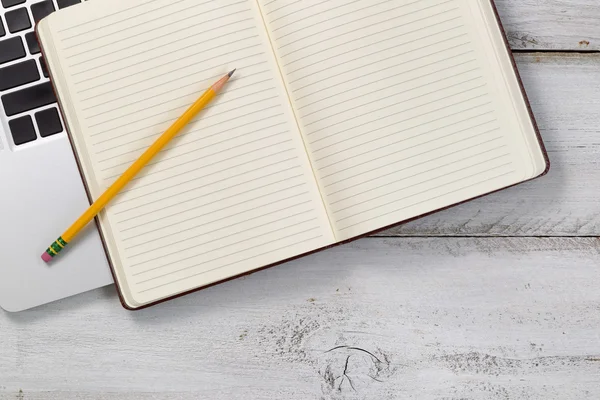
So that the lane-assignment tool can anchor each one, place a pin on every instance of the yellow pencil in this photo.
(134, 169)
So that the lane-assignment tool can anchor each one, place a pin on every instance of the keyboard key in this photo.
(44, 67)
(32, 43)
(17, 20)
(10, 3)
(28, 99)
(67, 3)
(48, 122)
(18, 74)
(11, 49)
(22, 130)
(2, 31)
(42, 10)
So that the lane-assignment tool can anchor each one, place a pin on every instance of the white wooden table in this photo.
(495, 299)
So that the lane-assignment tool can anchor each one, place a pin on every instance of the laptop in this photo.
(41, 191)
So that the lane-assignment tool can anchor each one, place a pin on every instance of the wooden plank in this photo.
(427, 318)
(565, 99)
(551, 24)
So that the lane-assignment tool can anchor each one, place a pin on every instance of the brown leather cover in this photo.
(533, 121)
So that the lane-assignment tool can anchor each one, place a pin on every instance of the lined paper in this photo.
(234, 191)
(345, 116)
(395, 104)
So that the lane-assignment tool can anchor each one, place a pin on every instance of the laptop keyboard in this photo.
(26, 95)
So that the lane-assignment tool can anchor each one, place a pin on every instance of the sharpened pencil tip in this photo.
(231, 73)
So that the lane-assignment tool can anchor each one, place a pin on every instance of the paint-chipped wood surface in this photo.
(382, 318)
(551, 24)
(564, 91)
(496, 299)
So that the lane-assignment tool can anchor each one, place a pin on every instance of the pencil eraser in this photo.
(46, 257)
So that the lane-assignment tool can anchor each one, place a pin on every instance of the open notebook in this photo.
(344, 117)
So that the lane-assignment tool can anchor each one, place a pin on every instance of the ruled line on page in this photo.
(201, 178)
(313, 16)
(225, 256)
(408, 148)
(185, 143)
(367, 161)
(189, 132)
(362, 27)
(135, 45)
(195, 73)
(229, 264)
(173, 157)
(362, 38)
(415, 107)
(386, 78)
(171, 120)
(203, 217)
(251, 228)
(200, 130)
(359, 67)
(404, 100)
(188, 191)
(172, 89)
(406, 129)
(181, 108)
(437, 168)
(398, 113)
(284, 6)
(189, 54)
(193, 36)
(385, 69)
(362, 84)
(387, 50)
(259, 217)
(139, 72)
(426, 84)
(166, 73)
(269, 204)
(195, 160)
(208, 252)
(487, 179)
(201, 206)
(407, 119)
(124, 38)
(195, 247)
(179, 213)
(296, 11)
(397, 161)
(181, 97)
(112, 15)
(404, 139)
(317, 14)
(136, 16)
(138, 187)
(395, 171)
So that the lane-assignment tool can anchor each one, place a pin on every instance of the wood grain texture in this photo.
(480, 318)
(551, 24)
(565, 97)
(426, 318)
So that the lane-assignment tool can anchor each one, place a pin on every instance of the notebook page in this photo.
(399, 106)
(234, 191)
